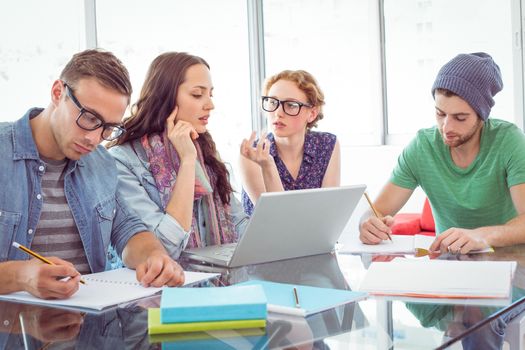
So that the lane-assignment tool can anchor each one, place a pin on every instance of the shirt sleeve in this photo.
(126, 224)
(239, 217)
(404, 173)
(167, 229)
(516, 158)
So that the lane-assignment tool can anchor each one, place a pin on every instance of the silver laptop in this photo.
(287, 225)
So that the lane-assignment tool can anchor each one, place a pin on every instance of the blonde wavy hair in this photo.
(307, 84)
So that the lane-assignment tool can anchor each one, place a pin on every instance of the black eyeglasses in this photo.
(292, 108)
(91, 121)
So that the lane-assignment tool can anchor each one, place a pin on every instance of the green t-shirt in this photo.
(468, 198)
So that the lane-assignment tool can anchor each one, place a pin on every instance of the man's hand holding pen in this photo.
(47, 281)
(376, 228)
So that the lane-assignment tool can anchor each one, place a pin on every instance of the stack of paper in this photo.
(310, 300)
(440, 278)
(213, 308)
(399, 244)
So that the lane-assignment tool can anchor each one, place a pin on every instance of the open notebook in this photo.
(429, 278)
(105, 289)
(399, 244)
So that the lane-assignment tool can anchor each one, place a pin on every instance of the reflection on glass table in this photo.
(373, 323)
(443, 323)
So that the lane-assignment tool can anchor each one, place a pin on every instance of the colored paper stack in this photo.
(185, 310)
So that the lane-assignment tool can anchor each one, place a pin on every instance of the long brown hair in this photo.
(157, 100)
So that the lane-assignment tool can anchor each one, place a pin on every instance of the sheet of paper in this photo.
(400, 244)
(105, 289)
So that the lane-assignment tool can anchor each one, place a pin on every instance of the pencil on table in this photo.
(376, 213)
(36, 255)
(296, 298)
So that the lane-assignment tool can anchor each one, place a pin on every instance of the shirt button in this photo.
(39, 196)
(41, 168)
(30, 231)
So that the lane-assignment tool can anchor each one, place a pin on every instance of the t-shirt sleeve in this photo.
(404, 173)
(515, 146)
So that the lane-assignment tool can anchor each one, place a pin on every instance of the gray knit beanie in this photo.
(474, 77)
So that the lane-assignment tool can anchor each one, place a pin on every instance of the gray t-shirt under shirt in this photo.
(56, 232)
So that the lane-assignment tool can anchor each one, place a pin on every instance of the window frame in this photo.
(257, 64)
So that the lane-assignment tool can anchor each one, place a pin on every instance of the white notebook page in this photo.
(105, 289)
(399, 244)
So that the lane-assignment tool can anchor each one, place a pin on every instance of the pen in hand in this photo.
(36, 255)
(375, 212)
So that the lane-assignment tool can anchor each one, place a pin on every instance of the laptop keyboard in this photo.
(225, 251)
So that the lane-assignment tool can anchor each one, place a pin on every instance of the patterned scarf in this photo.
(164, 165)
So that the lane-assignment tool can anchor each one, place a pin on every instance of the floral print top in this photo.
(318, 148)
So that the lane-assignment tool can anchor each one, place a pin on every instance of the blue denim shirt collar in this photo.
(24, 146)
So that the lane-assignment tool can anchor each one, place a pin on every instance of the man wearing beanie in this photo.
(471, 168)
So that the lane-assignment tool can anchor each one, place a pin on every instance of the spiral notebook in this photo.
(105, 289)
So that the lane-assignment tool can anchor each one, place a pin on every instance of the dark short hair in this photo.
(101, 65)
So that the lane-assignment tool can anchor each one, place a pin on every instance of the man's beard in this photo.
(459, 141)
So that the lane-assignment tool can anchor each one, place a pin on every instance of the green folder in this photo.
(207, 335)
(156, 327)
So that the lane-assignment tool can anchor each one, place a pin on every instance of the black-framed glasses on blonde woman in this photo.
(290, 107)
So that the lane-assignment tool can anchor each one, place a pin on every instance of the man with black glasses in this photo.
(59, 187)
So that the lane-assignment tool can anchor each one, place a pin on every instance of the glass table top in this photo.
(373, 323)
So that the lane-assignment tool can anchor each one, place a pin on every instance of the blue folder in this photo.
(311, 299)
(258, 342)
(212, 304)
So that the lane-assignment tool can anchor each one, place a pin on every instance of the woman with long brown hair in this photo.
(169, 168)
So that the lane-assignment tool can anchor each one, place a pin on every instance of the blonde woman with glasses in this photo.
(292, 156)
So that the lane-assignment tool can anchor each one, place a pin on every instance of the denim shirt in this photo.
(90, 185)
(138, 187)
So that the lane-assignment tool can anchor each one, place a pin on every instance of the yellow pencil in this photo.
(376, 213)
(36, 255)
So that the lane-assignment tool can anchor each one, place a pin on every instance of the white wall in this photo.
(372, 165)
